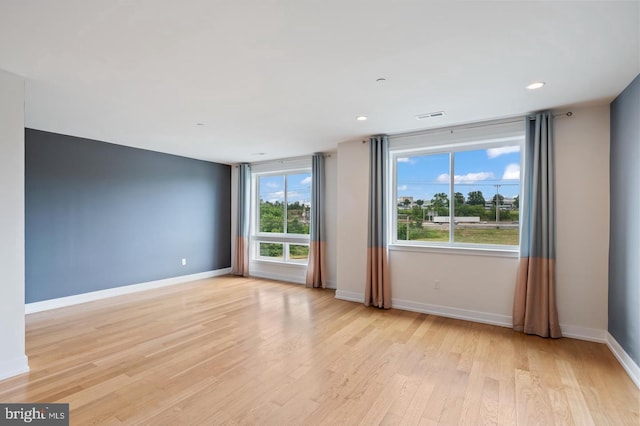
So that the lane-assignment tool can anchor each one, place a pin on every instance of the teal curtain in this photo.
(534, 307)
(378, 286)
(241, 258)
(316, 269)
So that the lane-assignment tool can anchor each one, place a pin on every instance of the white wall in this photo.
(331, 217)
(582, 174)
(234, 211)
(353, 181)
(481, 287)
(12, 349)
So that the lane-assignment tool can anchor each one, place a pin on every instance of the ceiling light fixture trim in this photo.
(536, 85)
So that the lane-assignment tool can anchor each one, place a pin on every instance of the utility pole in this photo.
(497, 203)
(407, 227)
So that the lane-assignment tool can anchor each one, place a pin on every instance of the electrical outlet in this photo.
(436, 284)
(184, 262)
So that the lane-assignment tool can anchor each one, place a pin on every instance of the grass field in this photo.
(485, 235)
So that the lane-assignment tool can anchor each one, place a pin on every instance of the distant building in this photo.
(505, 204)
(401, 201)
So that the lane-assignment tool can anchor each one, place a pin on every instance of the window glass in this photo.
(283, 217)
(298, 203)
(298, 252)
(481, 177)
(445, 201)
(271, 194)
(423, 198)
(272, 251)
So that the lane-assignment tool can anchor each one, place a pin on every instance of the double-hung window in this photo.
(458, 188)
(280, 229)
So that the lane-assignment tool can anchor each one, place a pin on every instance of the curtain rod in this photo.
(284, 160)
(471, 126)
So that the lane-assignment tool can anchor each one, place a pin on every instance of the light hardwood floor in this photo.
(244, 351)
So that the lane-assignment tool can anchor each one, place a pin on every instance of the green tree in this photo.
(500, 197)
(475, 198)
(420, 203)
(458, 198)
(440, 204)
(440, 200)
(416, 213)
(271, 216)
(516, 202)
(406, 202)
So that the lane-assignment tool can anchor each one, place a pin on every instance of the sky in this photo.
(422, 176)
(298, 188)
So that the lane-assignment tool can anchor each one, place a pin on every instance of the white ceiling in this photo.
(289, 77)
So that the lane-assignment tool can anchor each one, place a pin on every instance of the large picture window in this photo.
(458, 195)
(283, 207)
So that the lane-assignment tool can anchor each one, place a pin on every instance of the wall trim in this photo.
(570, 331)
(457, 313)
(14, 367)
(75, 299)
(351, 296)
(632, 369)
(277, 277)
(583, 333)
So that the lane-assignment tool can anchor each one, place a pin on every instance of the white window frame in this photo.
(426, 143)
(285, 239)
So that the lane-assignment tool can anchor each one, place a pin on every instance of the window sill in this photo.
(281, 238)
(465, 251)
(280, 263)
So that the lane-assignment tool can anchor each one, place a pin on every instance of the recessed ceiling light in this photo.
(536, 85)
(361, 118)
(381, 80)
(259, 153)
(199, 124)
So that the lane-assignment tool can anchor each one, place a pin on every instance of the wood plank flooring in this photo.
(234, 350)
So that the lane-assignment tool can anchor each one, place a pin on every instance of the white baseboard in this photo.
(584, 333)
(13, 367)
(457, 313)
(351, 296)
(61, 302)
(277, 277)
(623, 358)
(571, 331)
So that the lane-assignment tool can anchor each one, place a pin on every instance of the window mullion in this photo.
(285, 204)
(451, 196)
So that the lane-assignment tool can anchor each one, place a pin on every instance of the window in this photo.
(458, 195)
(281, 228)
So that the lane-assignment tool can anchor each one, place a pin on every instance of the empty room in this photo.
(339, 213)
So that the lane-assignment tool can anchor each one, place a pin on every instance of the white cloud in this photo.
(468, 178)
(512, 172)
(306, 181)
(272, 185)
(497, 152)
(276, 196)
(402, 187)
(403, 160)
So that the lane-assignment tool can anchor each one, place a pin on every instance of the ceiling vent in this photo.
(430, 115)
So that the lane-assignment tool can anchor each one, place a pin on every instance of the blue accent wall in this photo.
(624, 245)
(100, 215)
